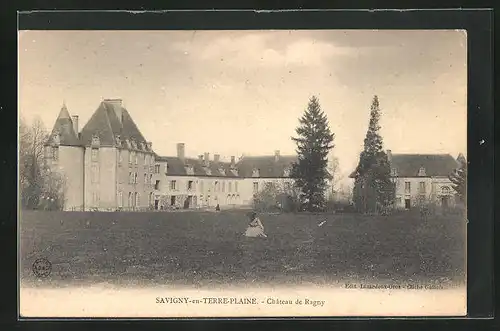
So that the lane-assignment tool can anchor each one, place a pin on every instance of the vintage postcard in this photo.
(256, 173)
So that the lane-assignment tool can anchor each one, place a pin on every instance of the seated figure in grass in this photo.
(255, 228)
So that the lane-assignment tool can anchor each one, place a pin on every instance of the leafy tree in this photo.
(39, 185)
(373, 189)
(276, 196)
(314, 141)
(459, 179)
(335, 177)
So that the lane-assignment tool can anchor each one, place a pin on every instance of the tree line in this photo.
(373, 191)
(40, 187)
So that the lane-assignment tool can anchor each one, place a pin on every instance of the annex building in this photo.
(422, 178)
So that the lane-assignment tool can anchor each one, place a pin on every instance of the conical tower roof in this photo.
(64, 128)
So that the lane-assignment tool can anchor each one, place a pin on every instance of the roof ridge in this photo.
(125, 110)
(109, 125)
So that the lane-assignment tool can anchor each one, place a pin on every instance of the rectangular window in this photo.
(136, 199)
(145, 159)
(255, 187)
(151, 179)
(136, 158)
(120, 199)
(190, 185)
(407, 187)
(235, 186)
(130, 157)
(173, 185)
(145, 179)
(201, 185)
(55, 153)
(223, 186)
(157, 185)
(216, 186)
(422, 187)
(95, 199)
(130, 199)
(120, 157)
(95, 154)
(157, 168)
(230, 187)
(95, 174)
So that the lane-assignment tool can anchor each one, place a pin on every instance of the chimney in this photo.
(389, 155)
(216, 158)
(233, 163)
(74, 119)
(180, 151)
(200, 157)
(206, 158)
(117, 105)
(276, 155)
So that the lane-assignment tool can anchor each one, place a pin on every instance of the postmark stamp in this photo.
(42, 267)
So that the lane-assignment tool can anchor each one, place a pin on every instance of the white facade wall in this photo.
(435, 189)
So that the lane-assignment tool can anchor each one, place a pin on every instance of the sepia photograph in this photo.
(242, 173)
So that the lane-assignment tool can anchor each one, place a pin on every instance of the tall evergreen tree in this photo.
(459, 179)
(373, 189)
(314, 141)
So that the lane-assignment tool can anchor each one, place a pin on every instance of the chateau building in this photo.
(109, 165)
(422, 178)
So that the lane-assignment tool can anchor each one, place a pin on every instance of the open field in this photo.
(207, 248)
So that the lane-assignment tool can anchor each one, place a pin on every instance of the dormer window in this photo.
(129, 145)
(394, 172)
(286, 172)
(96, 141)
(143, 147)
(208, 171)
(255, 173)
(166, 168)
(134, 144)
(421, 171)
(56, 139)
(222, 171)
(234, 172)
(118, 141)
(189, 169)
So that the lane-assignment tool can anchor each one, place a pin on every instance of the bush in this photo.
(275, 199)
(340, 206)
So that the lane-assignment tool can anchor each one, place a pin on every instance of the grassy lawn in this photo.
(207, 248)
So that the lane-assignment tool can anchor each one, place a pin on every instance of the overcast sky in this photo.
(242, 92)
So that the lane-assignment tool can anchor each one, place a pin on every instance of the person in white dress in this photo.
(255, 228)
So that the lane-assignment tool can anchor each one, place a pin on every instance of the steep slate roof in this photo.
(408, 165)
(435, 165)
(176, 167)
(64, 127)
(106, 124)
(268, 167)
